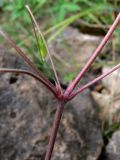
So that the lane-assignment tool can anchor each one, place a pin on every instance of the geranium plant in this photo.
(62, 96)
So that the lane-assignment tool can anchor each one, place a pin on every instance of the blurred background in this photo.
(64, 21)
(72, 29)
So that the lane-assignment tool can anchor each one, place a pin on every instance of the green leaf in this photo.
(71, 7)
(42, 46)
(69, 76)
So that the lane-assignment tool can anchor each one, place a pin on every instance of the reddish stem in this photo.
(26, 59)
(57, 90)
(93, 81)
(54, 132)
(20, 71)
(90, 61)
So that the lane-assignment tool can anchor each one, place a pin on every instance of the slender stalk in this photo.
(20, 71)
(36, 37)
(93, 81)
(26, 59)
(93, 57)
(54, 131)
(38, 29)
(67, 95)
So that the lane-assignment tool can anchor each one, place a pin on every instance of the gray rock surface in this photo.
(73, 46)
(72, 49)
(113, 147)
(26, 115)
(109, 98)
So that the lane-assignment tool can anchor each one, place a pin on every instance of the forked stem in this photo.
(54, 131)
(81, 89)
(93, 57)
(68, 94)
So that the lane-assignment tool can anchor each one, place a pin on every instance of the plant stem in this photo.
(92, 58)
(93, 81)
(54, 132)
(26, 59)
(34, 22)
(21, 71)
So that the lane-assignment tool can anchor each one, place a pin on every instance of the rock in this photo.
(26, 116)
(109, 98)
(113, 147)
(73, 49)
(104, 102)
(112, 81)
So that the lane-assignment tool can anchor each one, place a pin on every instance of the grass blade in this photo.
(42, 45)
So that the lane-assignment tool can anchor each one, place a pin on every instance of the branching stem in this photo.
(93, 81)
(93, 57)
(60, 96)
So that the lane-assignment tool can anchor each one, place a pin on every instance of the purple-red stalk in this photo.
(81, 89)
(21, 71)
(54, 131)
(26, 59)
(92, 58)
(56, 90)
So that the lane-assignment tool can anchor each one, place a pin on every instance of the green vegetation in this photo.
(53, 17)
(109, 130)
(60, 13)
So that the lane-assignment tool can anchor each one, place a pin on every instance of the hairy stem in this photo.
(54, 132)
(90, 61)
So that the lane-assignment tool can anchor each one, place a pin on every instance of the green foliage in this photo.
(41, 44)
(69, 76)
(117, 39)
(42, 47)
(17, 8)
(58, 15)
(59, 8)
(109, 130)
(64, 7)
(62, 25)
